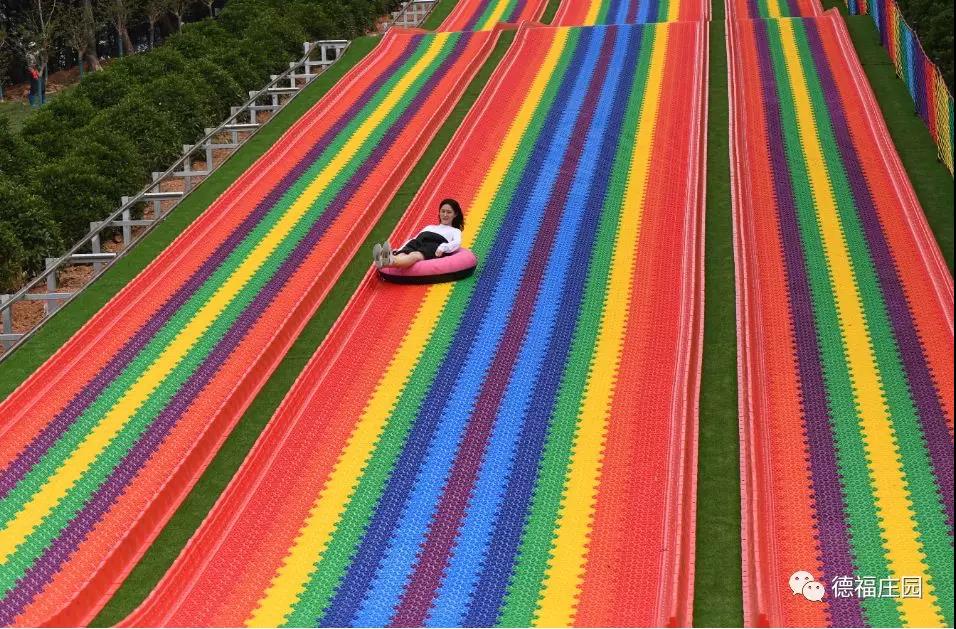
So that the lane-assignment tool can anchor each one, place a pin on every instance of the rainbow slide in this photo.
(845, 308)
(518, 447)
(100, 445)
(771, 9)
(483, 15)
(590, 12)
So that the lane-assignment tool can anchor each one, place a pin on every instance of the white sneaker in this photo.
(377, 255)
(387, 253)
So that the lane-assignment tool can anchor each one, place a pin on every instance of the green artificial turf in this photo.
(549, 11)
(438, 14)
(717, 586)
(191, 513)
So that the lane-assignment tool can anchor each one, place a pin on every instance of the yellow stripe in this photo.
(673, 10)
(57, 486)
(904, 553)
(593, 10)
(495, 16)
(773, 8)
(566, 569)
(317, 530)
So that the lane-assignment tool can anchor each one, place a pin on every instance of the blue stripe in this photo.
(525, 411)
(399, 559)
(620, 13)
(499, 273)
(644, 11)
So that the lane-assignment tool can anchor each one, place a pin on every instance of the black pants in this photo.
(425, 243)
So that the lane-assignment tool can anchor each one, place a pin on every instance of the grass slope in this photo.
(438, 14)
(191, 513)
(15, 111)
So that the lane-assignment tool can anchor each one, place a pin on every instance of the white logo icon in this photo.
(802, 582)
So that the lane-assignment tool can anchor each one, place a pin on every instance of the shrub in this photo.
(76, 195)
(147, 67)
(34, 229)
(152, 130)
(112, 155)
(17, 157)
(241, 71)
(50, 130)
(239, 15)
(182, 101)
(274, 40)
(11, 259)
(107, 87)
(223, 89)
(205, 39)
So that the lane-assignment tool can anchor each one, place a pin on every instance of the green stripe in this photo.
(534, 553)
(108, 459)
(351, 527)
(66, 445)
(917, 469)
(663, 6)
(857, 486)
(603, 12)
(484, 22)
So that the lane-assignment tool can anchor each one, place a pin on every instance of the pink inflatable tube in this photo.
(456, 266)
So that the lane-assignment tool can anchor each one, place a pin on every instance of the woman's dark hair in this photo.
(459, 220)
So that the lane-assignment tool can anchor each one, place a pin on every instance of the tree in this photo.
(154, 10)
(79, 24)
(33, 34)
(209, 4)
(178, 8)
(5, 58)
(119, 13)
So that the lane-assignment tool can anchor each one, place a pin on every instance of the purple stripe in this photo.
(52, 432)
(632, 10)
(55, 555)
(921, 386)
(832, 530)
(476, 15)
(793, 8)
(516, 10)
(433, 557)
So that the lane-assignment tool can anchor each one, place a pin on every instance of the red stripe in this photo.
(310, 430)
(651, 432)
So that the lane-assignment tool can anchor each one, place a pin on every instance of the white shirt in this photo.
(449, 233)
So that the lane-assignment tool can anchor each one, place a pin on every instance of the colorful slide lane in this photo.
(590, 12)
(100, 445)
(483, 15)
(845, 308)
(518, 447)
(770, 9)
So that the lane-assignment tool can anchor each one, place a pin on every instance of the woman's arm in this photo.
(454, 241)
